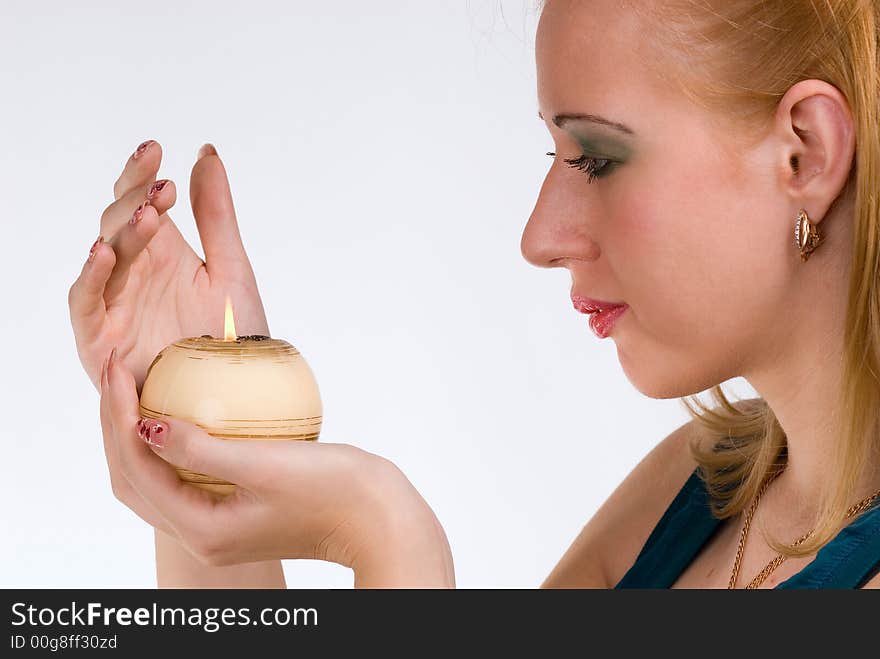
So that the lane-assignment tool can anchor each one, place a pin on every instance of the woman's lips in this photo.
(589, 305)
(603, 314)
(601, 322)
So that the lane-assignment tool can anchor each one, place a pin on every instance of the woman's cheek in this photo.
(646, 263)
(668, 270)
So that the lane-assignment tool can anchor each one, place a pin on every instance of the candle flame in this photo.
(229, 328)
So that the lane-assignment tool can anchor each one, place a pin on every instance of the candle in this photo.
(237, 387)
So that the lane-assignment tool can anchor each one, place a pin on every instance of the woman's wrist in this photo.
(177, 568)
(408, 547)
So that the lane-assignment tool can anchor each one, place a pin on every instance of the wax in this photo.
(250, 387)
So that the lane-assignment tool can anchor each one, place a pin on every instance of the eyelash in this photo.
(586, 164)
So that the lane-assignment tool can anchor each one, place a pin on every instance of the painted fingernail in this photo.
(206, 149)
(138, 213)
(94, 248)
(152, 432)
(142, 147)
(157, 187)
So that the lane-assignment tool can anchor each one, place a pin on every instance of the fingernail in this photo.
(94, 248)
(206, 150)
(138, 213)
(156, 188)
(142, 147)
(152, 431)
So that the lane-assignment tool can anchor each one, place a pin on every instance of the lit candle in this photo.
(237, 387)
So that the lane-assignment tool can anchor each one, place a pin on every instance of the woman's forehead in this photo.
(581, 52)
(597, 57)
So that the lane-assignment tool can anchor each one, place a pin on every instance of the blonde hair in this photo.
(737, 58)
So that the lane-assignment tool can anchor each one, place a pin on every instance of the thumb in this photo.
(211, 201)
(187, 445)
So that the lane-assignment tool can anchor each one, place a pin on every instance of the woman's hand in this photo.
(144, 287)
(293, 499)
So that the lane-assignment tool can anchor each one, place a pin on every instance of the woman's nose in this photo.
(557, 229)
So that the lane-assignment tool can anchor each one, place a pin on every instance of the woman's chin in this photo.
(653, 379)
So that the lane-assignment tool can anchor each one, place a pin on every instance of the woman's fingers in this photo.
(140, 168)
(107, 433)
(126, 212)
(86, 296)
(243, 462)
(139, 209)
(122, 489)
(185, 507)
(214, 213)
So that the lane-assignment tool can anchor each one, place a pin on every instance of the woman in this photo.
(711, 194)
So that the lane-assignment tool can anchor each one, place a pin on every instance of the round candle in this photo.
(249, 387)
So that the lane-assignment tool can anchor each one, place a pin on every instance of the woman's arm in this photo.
(414, 551)
(177, 568)
(609, 543)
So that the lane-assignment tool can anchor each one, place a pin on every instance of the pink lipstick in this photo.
(603, 314)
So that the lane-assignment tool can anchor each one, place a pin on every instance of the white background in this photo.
(384, 158)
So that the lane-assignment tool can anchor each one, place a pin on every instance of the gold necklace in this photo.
(776, 562)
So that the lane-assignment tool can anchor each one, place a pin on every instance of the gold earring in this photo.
(806, 237)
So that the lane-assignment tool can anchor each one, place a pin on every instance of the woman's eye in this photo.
(594, 167)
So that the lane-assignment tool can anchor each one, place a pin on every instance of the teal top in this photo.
(848, 561)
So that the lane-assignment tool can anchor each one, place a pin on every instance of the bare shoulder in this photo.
(612, 539)
(873, 583)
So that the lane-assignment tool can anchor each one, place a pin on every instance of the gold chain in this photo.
(776, 562)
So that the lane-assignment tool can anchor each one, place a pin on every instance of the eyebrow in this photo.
(561, 119)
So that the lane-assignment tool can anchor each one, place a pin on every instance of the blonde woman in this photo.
(713, 195)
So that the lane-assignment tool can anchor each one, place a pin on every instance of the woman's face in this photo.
(701, 247)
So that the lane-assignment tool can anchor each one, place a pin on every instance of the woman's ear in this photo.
(817, 123)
